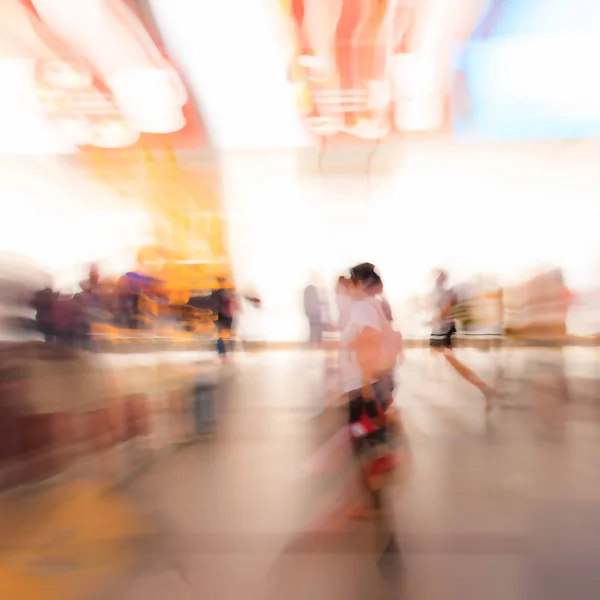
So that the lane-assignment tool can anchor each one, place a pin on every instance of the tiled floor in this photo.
(493, 511)
(67, 542)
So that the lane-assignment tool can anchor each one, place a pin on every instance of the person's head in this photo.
(94, 275)
(221, 282)
(365, 281)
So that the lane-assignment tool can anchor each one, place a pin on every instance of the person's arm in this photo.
(253, 300)
(387, 310)
(208, 302)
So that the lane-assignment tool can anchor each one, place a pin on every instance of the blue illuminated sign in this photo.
(528, 73)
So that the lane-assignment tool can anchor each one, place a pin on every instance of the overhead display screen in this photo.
(108, 95)
(374, 68)
(527, 72)
(365, 68)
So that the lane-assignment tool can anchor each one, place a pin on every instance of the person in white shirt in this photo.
(360, 353)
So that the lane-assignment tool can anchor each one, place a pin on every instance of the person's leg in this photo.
(223, 332)
(48, 334)
(221, 347)
(384, 391)
(436, 347)
(63, 338)
(468, 375)
(319, 335)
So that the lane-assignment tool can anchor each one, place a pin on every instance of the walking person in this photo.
(64, 314)
(443, 331)
(42, 303)
(224, 303)
(225, 306)
(369, 352)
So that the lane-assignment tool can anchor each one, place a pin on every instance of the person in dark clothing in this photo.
(64, 315)
(42, 303)
(225, 306)
(84, 303)
(224, 303)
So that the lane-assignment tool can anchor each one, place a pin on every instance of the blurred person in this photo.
(365, 367)
(314, 311)
(135, 289)
(226, 306)
(64, 315)
(42, 303)
(129, 301)
(343, 300)
(225, 303)
(87, 308)
(107, 302)
(442, 334)
(94, 276)
(548, 304)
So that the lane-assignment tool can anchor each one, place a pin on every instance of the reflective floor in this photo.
(495, 509)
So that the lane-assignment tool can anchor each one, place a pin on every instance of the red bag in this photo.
(385, 462)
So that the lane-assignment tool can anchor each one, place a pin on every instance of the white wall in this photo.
(55, 216)
(503, 209)
(499, 209)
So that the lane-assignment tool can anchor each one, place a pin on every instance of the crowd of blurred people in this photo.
(67, 319)
(538, 305)
(535, 308)
(131, 302)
